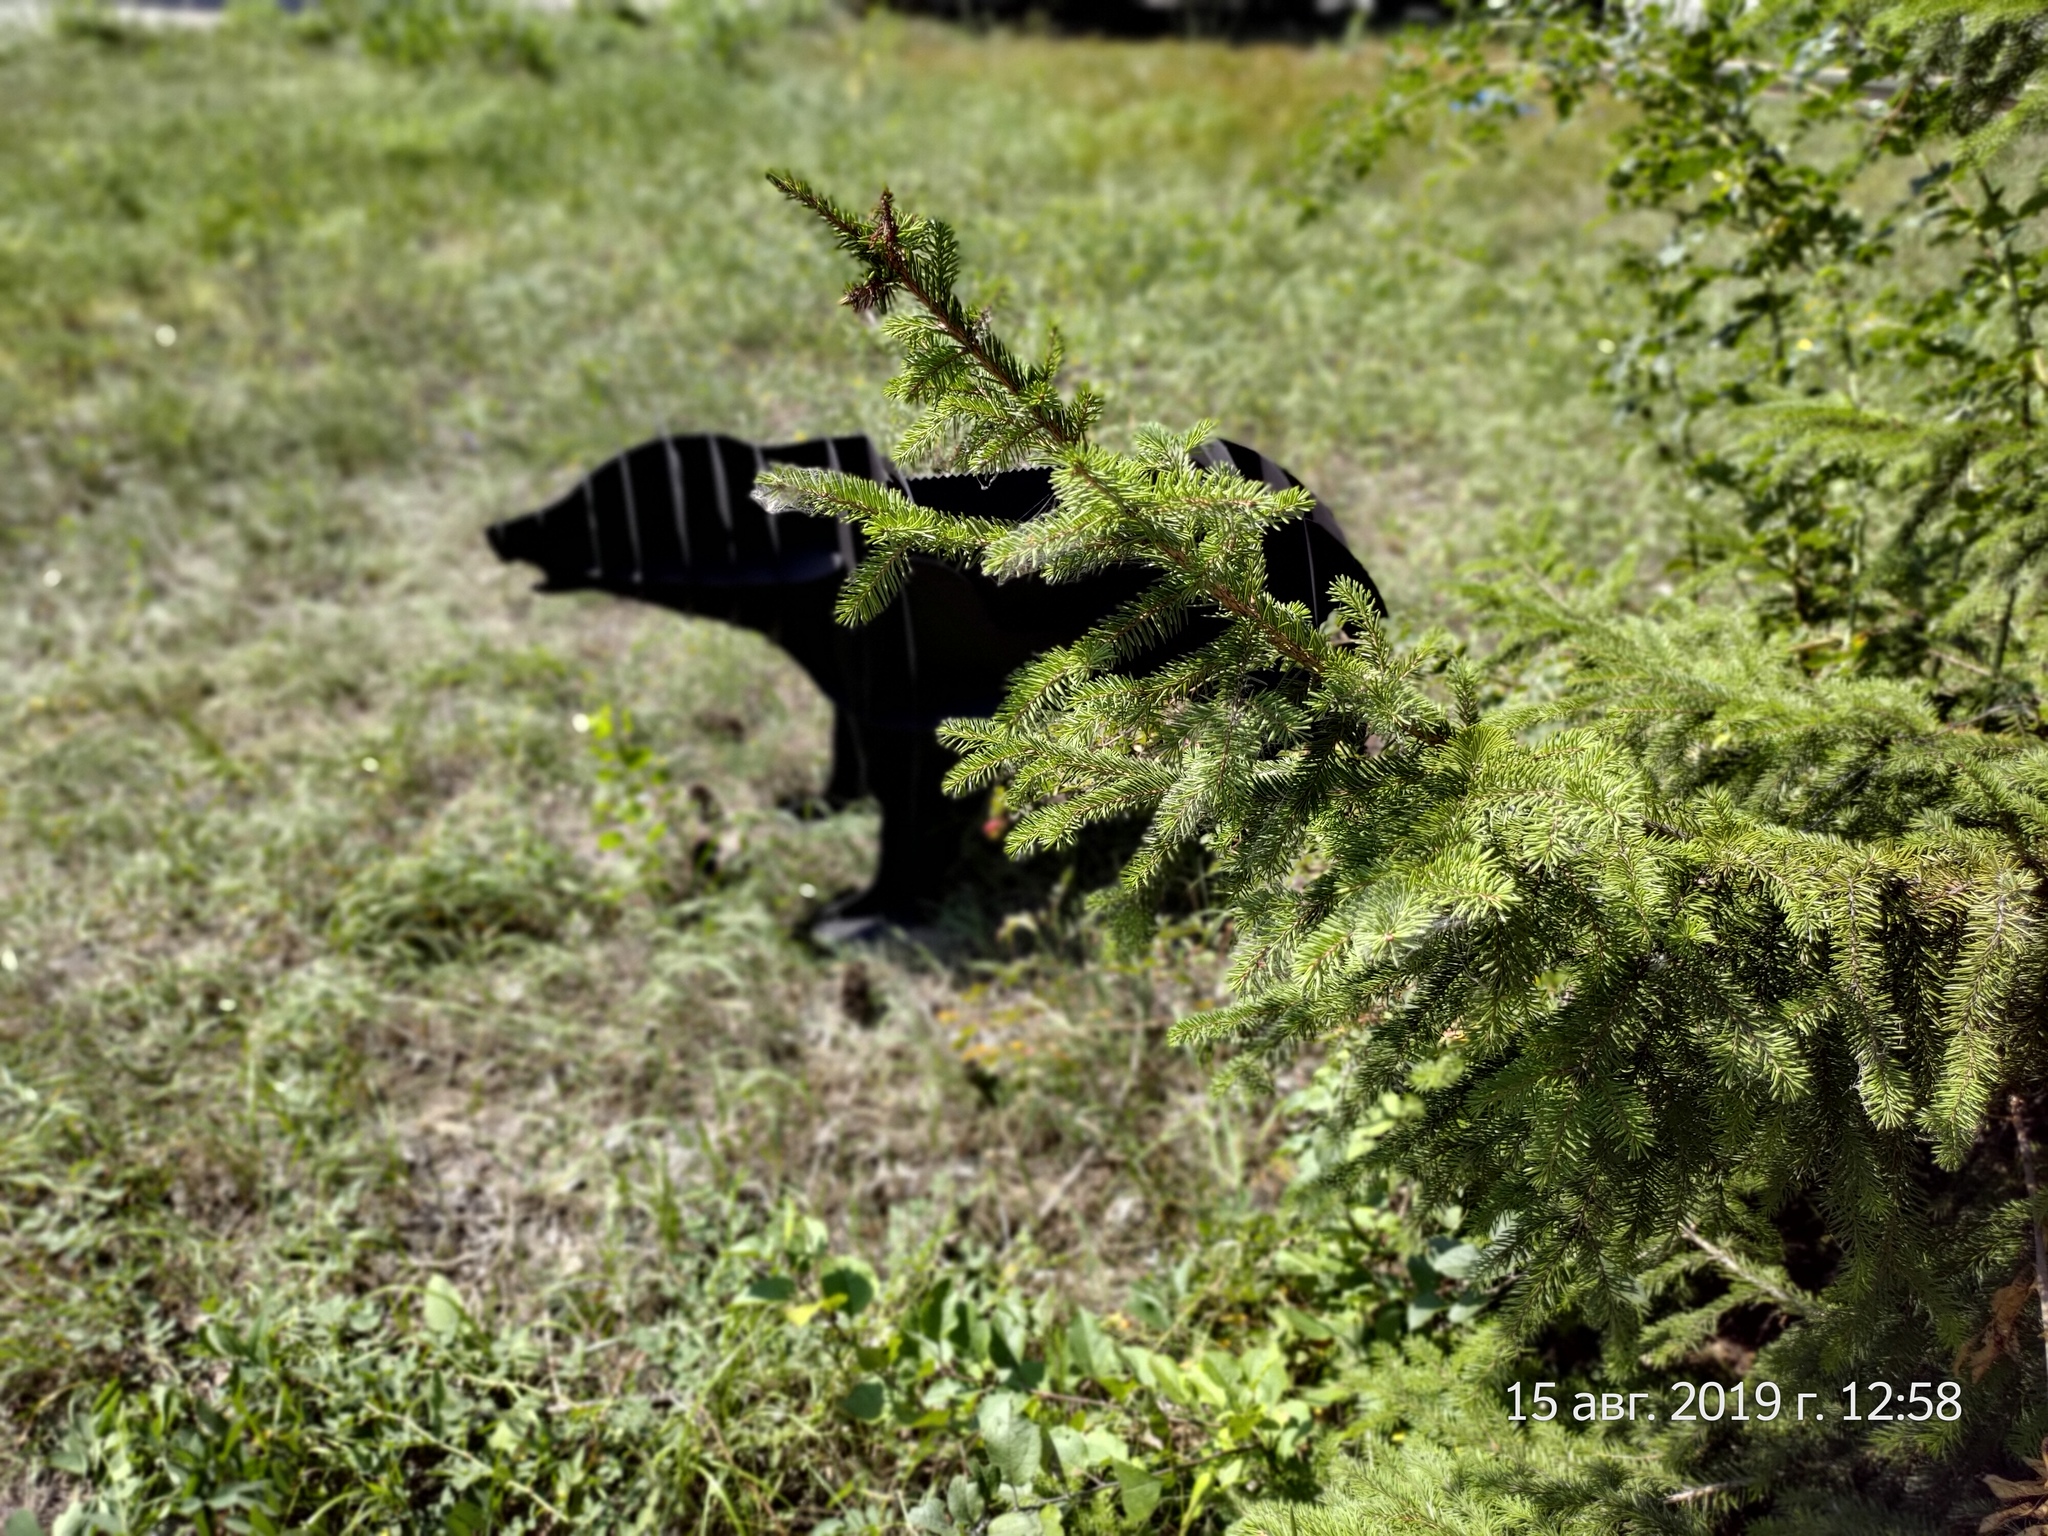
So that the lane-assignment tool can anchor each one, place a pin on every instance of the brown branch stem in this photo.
(1797, 1306)
(2018, 1107)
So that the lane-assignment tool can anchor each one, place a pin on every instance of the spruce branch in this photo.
(1659, 927)
(960, 370)
(1797, 1306)
(919, 257)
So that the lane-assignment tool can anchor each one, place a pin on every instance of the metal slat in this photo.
(846, 558)
(774, 517)
(909, 628)
(724, 494)
(682, 506)
(625, 461)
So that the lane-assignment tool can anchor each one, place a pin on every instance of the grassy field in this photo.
(316, 979)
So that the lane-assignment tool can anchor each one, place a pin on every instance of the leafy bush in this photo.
(504, 35)
(422, 34)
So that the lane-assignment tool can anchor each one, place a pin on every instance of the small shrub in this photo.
(94, 21)
(769, 1386)
(426, 34)
(1696, 923)
(459, 899)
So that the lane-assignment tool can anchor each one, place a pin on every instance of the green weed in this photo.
(458, 898)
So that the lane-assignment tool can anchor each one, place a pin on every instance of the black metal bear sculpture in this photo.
(673, 522)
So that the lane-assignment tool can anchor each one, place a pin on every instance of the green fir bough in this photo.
(1709, 927)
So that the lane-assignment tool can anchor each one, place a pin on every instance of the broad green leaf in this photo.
(846, 1282)
(1265, 1374)
(441, 1308)
(1010, 1438)
(1455, 1262)
(1174, 1384)
(1001, 1351)
(865, 1402)
(1016, 1523)
(970, 1335)
(1302, 1323)
(964, 1501)
(1137, 1489)
(1079, 1450)
(1107, 1445)
(929, 1319)
(1072, 1449)
(1144, 1365)
(1468, 1306)
(1093, 1351)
